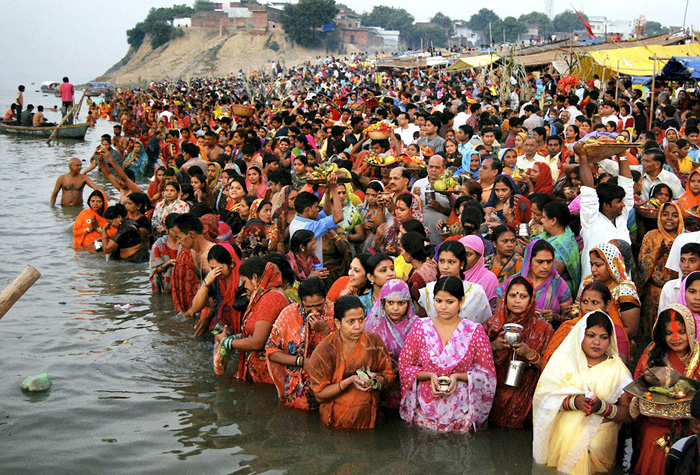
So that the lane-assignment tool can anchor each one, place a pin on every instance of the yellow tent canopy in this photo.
(474, 62)
(629, 61)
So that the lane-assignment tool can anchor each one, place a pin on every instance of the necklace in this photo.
(607, 357)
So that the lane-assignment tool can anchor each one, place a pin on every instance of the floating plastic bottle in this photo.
(40, 382)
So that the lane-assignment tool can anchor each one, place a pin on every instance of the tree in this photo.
(161, 32)
(480, 21)
(544, 24)
(568, 21)
(389, 18)
(302, 22)
(513, 29)
(135, 35)
(654, 28)
(442, 20)
(203, 6)
(432, 35)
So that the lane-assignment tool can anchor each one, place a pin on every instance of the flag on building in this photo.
(585, 23)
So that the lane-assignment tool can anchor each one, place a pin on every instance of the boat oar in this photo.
(17, 288)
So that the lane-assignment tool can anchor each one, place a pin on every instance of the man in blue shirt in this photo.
(319, 222)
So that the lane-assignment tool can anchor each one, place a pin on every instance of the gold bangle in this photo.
(341, 386)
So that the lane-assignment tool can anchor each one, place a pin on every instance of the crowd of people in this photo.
(529, 291)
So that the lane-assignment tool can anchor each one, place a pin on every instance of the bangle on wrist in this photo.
(341, 386)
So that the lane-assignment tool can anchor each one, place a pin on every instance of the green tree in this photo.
(432, 35)
(389, 18)
(135, 35)
(203, 6)
(480, 21)
(161, 32)
(513, 28)
(442, 20)
(568, 21)
(544, 24)
(302, 22)
(654, 28)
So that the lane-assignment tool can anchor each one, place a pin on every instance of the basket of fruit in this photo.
(242, 111)
(412, 162)
(379, 130)
(648, 209)
(381, 160)
(661, 392)
(446, 184)
(691, 219)
(320, 174)
(602, 145)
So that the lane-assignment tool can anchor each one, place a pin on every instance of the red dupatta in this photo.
(271, 279)
(512, 405)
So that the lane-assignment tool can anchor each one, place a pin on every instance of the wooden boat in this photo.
(76, 131)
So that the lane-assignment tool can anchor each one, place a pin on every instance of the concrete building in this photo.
(603, 27)
(465, 36)
(234, 16)
(184, 22)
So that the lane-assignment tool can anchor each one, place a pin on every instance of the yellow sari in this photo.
(570, 440)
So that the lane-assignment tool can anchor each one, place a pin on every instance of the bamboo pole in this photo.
(617, 81)
(80, 104)
(653, 86)
(54, 134)
(17, 288)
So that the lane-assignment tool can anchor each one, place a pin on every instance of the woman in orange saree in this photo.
(295, 335)
(674, 345)
(90, 220)
(348, 400)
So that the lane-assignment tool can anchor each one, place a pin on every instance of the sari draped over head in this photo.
(392, 333)
(551, 293)
(653, 436)
(622, 289)
(493, 199)
(213, 184)
(467, 164)
(522, 207)
(257, 238)
(185, 282)
(479, 274)
(211, 227)
(468, 351)
(570, 440)
(393, 234)
(279, 202)
(254, 363)
(154, 186)
(653, 274)
(688, 199)
(545, 182)
(378, 321)
(139, 162)
(566, 251)
(682, 300)
(352, 409)
(512, 405)
(292, 334)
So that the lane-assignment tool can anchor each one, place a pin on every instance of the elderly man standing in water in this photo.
(72, 184)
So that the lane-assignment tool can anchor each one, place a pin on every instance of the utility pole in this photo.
(490, 36)
(685, 14)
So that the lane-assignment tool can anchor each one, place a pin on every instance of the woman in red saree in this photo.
(295, 335)
(267, 300)
(349, 401)
(674, 345)
(512, 405)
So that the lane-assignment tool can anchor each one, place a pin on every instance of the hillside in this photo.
(202, 52)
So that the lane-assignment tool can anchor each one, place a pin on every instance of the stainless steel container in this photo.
(515, 373)
(512, 333)
(523, 230)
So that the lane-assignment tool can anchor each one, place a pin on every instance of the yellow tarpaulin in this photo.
(474, 62)
(628, 61)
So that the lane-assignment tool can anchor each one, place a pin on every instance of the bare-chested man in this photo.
(72, 184)
(187, 232)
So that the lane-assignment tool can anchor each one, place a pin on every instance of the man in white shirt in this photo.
(607, 113)
(461, 117)
(406, 129)
(530, 157)
(553, 159)
(653, 165)
(439, 208)
(532, 119)
(604, 210)
(689, 262)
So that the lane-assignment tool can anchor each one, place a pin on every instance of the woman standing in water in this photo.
(447, 346)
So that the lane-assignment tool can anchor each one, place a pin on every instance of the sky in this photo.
(45, 40)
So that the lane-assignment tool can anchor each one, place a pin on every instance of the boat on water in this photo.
(93, 89)
(75, 131)
(48, 87)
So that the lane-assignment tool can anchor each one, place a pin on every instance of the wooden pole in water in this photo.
(69, 114)
(80, 104)
(17, 288)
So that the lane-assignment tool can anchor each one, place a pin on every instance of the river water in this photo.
(134, 391)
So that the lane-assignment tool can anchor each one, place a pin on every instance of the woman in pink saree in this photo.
(452, 347)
